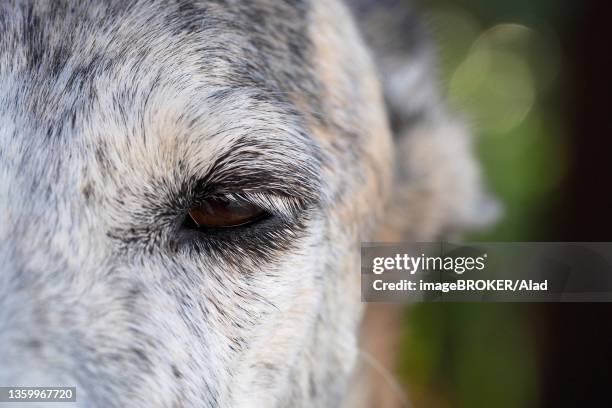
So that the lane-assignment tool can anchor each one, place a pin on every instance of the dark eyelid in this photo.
(260, 241)
(254, 167)
(256, 181)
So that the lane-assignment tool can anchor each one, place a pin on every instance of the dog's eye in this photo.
(224, 213)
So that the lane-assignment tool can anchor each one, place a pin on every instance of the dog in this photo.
(185, 186)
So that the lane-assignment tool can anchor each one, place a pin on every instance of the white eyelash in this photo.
(284, 207)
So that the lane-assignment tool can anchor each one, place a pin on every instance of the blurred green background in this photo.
(502, 67)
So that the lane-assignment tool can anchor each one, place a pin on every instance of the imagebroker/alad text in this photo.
(499, 285)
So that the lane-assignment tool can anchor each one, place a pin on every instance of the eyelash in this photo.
(189, 224)
(286, 208)
(259, 241)
(278, 230)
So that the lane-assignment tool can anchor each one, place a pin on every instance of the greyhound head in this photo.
(184, 187)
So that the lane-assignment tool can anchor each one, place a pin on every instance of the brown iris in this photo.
(224, 213)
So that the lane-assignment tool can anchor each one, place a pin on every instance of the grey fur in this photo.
(115, 117)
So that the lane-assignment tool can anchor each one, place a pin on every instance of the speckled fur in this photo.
(116, 116)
